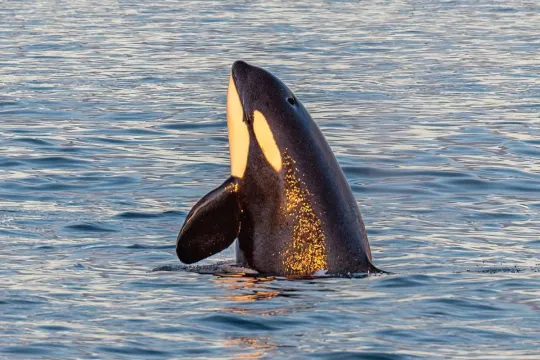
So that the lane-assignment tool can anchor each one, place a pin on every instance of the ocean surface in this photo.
(112, 125)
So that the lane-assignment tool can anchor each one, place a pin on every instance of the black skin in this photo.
(210, 225)
(253, 212)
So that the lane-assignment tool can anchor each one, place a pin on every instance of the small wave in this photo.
(138, 215)
(108, 140)
(45, 247)
(55, 328)
(140, 246)
(407, 281)
(504, 10)
(139, 132)
(56, 162)
(89, 227)
(138, 351)
(504, 269)
(28, 349)
(9, 163)
(482, 185)
(33, 141)
(8, 103)
(238, 322)
(371, 172)
(192, 125)
(148, 215)
(366, 355)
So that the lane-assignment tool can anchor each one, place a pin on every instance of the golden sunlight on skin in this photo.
(306, 254)
(266, 140)
(238, 131)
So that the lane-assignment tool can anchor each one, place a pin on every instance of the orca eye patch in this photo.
(291, 100)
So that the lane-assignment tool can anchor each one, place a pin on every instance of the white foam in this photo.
(321, 272)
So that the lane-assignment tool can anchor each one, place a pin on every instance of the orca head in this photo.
(261, 109)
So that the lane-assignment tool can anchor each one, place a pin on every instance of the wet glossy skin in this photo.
(287, 200)
(303, 218)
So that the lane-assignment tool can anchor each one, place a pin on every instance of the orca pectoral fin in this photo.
(211, 225)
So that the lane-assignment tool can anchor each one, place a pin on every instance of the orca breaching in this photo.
(287, 200)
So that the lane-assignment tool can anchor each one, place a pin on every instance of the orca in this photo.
(287, 201)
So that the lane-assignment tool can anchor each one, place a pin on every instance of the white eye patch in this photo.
(265, 139)
(238, 132)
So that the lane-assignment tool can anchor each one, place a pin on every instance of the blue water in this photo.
(113, 124)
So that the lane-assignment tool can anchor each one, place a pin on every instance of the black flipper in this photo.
(211, 225)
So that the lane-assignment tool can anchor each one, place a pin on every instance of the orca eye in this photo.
(291, 101)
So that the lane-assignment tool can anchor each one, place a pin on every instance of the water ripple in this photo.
(114, 125)
(88, 228)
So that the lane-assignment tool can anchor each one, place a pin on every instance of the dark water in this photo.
(113, 125)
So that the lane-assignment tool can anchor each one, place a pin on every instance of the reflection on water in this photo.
(250, 288)
(113, 125)
(259, 347)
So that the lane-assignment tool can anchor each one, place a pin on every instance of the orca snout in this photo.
(240, 70)
(240, 66)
